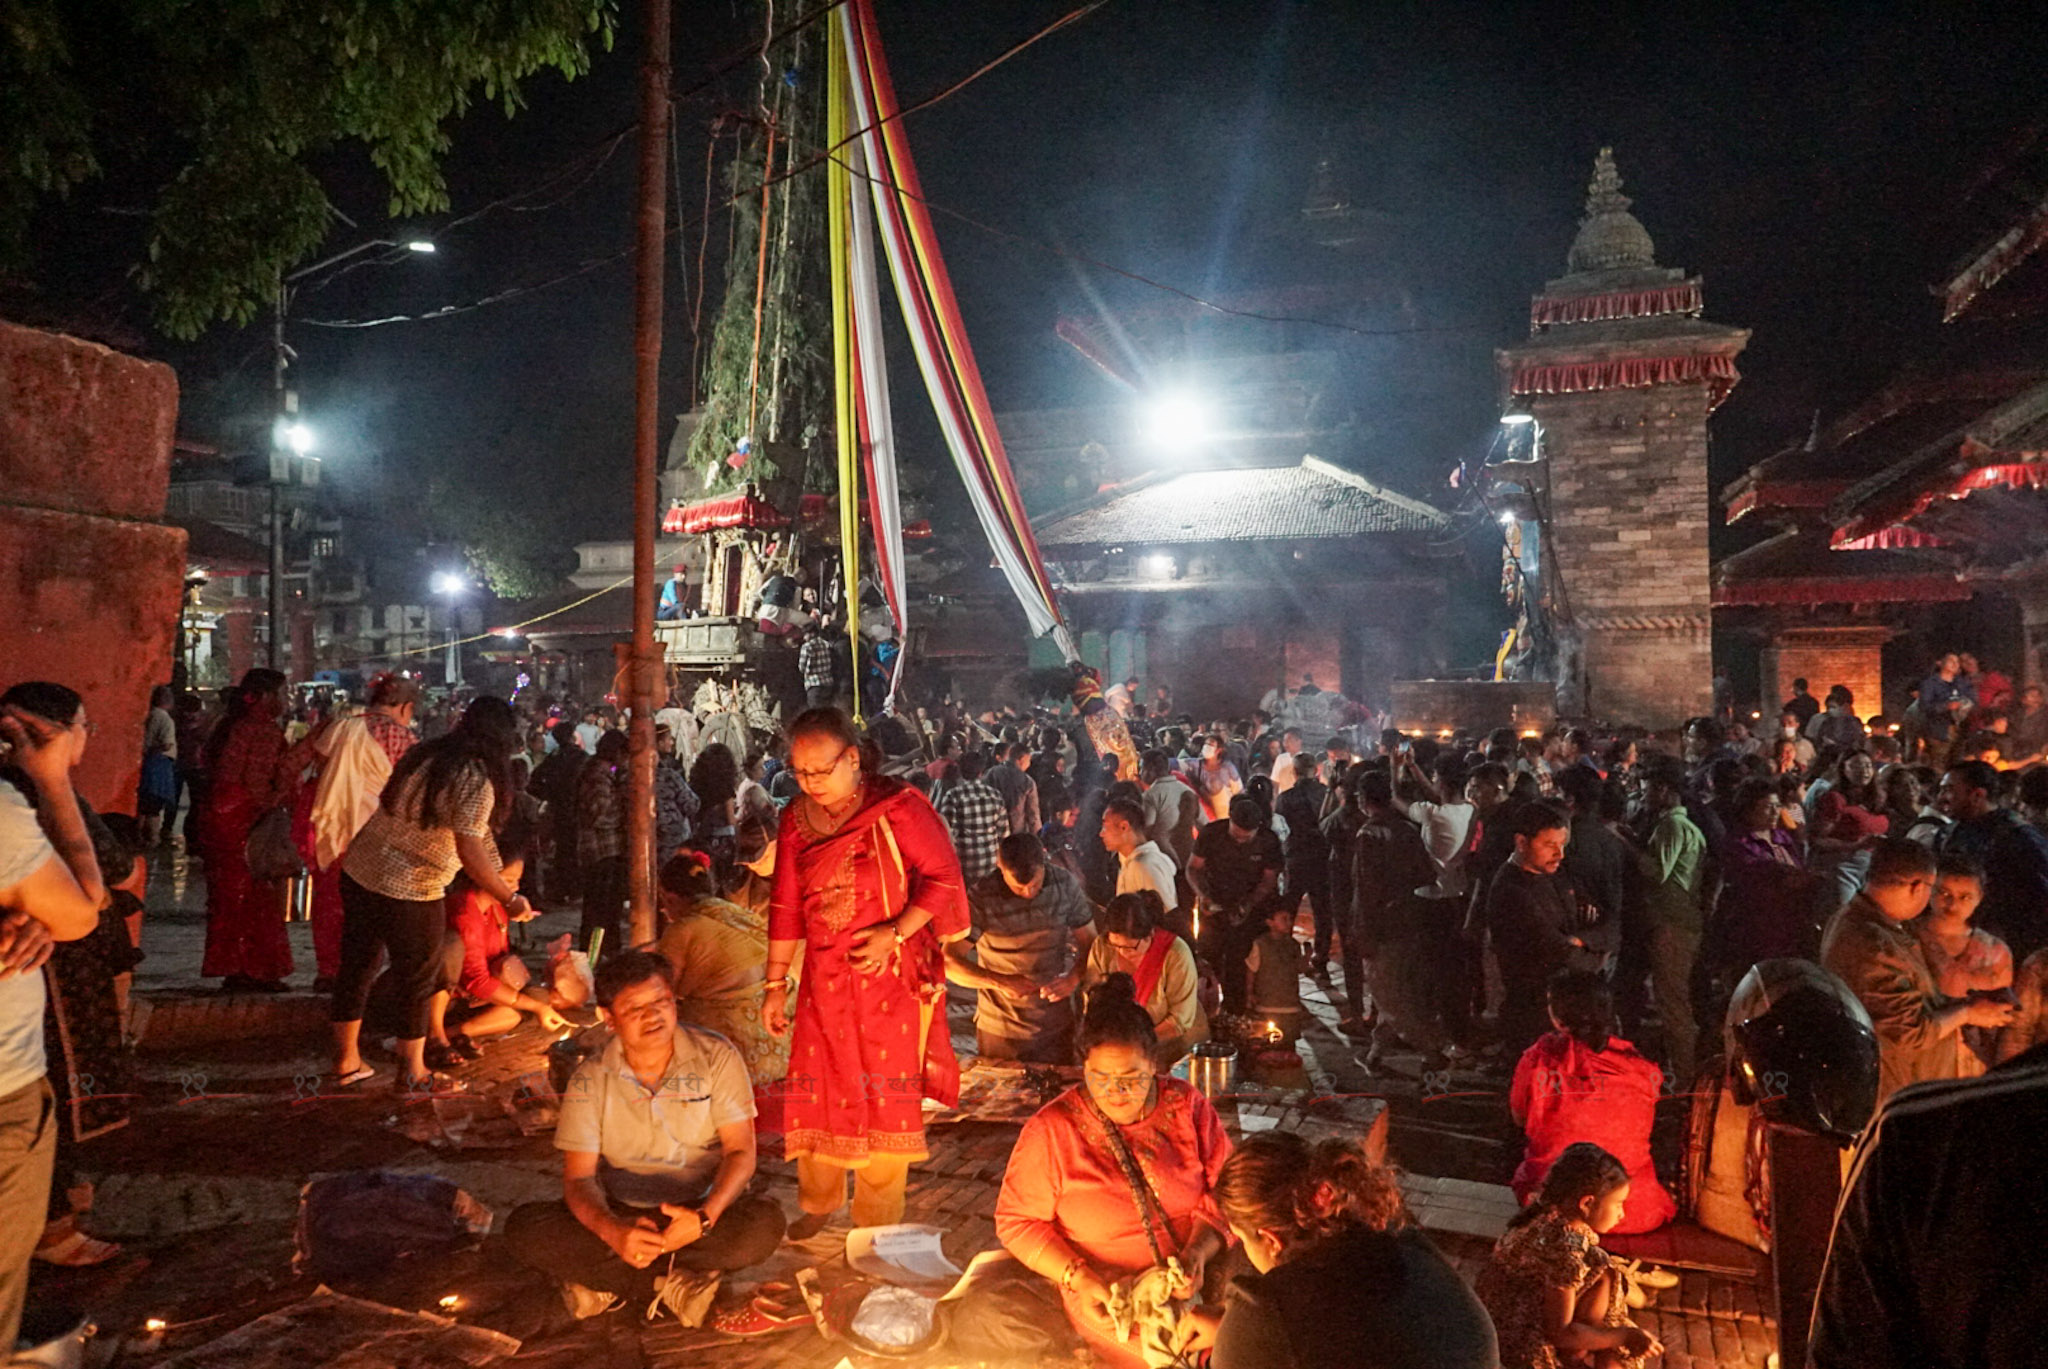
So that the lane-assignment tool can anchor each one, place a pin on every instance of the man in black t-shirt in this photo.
(1534, 921)
(1236, 870)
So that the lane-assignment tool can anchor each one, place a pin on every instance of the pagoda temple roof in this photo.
(1310, 499)
(1995, 454)
(1914, 413)
(1799, 568)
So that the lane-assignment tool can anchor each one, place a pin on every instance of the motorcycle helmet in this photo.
(1801, 1049)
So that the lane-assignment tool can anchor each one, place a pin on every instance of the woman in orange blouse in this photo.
(1070, 1207)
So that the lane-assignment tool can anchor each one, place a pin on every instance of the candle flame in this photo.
(450, 1303)
(155, 1326)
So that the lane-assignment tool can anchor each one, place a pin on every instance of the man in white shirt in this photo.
(1446, 822)
(50, 891)
(657, 1142)
(1143, 865)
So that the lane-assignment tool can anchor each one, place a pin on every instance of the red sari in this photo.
(245, 929)
(858, 1070)
(1563, 1093)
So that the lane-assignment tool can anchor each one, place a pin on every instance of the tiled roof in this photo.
(1269, 503)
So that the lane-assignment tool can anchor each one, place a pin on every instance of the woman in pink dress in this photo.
(1581, 1083)
(1115, 1176)
(867, 882)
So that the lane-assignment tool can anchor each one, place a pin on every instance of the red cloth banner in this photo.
(1630, 373)
(732, 511)
(1545, 310)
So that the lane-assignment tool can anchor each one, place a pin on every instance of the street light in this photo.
(451, 585)
(288, 436)
(1179, 421)
(1514, 420)
(295, 436)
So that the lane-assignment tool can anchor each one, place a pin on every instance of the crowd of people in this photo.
(1570, 912)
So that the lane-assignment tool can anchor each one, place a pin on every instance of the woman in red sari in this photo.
(249, 771)
(1583, 1083)
(866, 880)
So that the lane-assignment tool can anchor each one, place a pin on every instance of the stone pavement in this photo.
(204, 1185)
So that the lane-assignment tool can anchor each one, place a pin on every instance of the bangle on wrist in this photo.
(782, 983)
(1072, 1274)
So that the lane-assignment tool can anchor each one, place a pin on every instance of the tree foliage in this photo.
(506, 531)
(224, 109)
(789, 397)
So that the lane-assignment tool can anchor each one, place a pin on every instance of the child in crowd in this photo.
(1554, 1297)
(486, 986)
(1276, 964)
(1966, 961)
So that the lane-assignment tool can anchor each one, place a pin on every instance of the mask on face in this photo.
(1792, 732)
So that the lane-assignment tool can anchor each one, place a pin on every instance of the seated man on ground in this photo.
(1032, 930)
(657, 1136)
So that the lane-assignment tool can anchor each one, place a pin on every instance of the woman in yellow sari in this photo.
(719, 952)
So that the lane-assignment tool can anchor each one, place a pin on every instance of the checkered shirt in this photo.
(978, 819)
(814, 660)
(396, 857)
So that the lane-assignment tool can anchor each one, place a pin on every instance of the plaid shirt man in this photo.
(814, 660)
(978, 819)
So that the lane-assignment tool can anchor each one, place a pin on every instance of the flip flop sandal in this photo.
(352, 1078)
(755, 1320)
(433, 1086)
(77, 1250)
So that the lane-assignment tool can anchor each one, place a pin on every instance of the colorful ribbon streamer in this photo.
(924, 291)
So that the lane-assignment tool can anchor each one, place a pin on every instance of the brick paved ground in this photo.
(204, 1185)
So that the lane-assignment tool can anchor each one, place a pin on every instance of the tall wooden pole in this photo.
(645, 666)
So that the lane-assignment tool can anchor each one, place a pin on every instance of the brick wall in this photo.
(1826, 657)
(1629, 509)
(89, 589)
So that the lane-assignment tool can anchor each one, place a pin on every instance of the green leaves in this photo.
(241, 99)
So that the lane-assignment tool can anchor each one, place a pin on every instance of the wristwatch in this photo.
(704, 1219)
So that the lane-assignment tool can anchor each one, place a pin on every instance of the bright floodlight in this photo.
(1179, 421)
(420, 245)
(446, 582)
(1517, 418)
(298, 437)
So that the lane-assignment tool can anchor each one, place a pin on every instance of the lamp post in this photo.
(289, 437)
(450, 586)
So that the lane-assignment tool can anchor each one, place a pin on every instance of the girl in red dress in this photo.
(866, 880)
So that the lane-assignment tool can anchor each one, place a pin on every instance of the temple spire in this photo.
(1609, 238)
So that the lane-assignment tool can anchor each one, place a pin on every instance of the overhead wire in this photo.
(823, 154)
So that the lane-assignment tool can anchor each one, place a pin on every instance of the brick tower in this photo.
(1621, 374)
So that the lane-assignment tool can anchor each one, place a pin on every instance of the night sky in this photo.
(1811, 163)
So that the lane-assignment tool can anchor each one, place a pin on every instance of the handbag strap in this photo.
(1142, 1194)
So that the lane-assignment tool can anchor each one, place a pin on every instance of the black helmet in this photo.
(1801, 1049)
